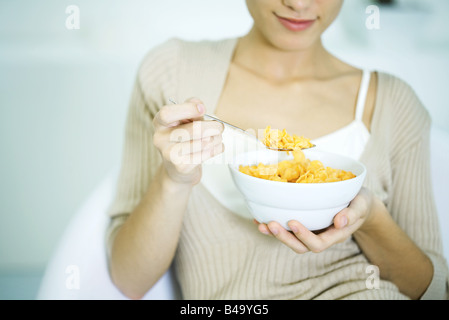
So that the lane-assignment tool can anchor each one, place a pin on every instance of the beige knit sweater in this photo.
(220, 254)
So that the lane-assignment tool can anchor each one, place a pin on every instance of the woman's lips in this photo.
(295, 24)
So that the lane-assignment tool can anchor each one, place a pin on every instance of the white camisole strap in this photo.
(363, 92)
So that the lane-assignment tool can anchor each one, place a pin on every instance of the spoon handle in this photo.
(223, 122)
(230, 125)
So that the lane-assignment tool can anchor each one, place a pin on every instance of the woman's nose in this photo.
(298, 5)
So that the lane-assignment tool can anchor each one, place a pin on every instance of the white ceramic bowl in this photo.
(312, 204)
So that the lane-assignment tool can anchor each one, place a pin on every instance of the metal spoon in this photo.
(242, 130)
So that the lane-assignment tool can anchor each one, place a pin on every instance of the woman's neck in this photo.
(260, 57)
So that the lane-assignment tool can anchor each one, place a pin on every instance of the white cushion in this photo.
(78, 268)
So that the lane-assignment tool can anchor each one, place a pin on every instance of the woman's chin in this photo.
(292, 44)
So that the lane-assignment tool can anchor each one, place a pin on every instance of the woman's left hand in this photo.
(359, 213)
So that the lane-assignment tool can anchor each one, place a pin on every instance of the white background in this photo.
(64, 95)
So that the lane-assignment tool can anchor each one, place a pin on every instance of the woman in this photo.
(278, 74)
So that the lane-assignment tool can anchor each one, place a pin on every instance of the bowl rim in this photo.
(234, 168)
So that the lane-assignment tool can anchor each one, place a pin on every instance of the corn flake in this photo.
(298, 170)
(277, 139)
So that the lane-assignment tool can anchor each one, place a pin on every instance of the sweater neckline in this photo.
(231, 44)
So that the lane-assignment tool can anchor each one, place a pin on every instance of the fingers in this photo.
(355, 214)
(193, 151)
(188, 138)
(182, 141)
(317, 242)
(185, 140)
(301, 239)
(175, 114)
(194, 131)
(187, 163)
(286, 237)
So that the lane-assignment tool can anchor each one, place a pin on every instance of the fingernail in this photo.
(274, 231)
(344, 221)
(200, 108)
(294, 229)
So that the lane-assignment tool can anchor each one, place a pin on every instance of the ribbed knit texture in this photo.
(221, 255)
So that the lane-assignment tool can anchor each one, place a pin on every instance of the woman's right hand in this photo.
(185, 140)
